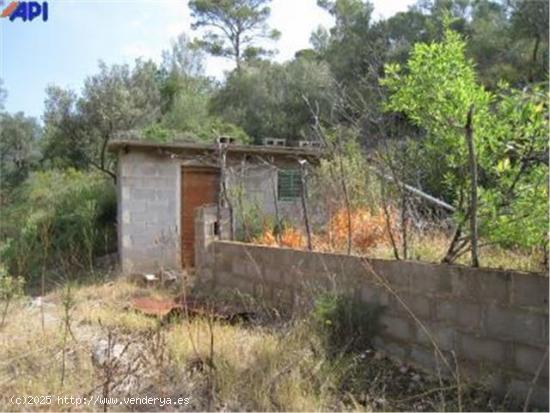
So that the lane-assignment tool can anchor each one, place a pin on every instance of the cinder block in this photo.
(446, 311)
(425, 278)
(224, 278)
(125, 192)
(135, 207)
(528, 359)
(420, 305)
(397, 327)
(126, 241)
(444, 336)
(481, 349)
(394, 272)
(529, 290)
(469, 316)
(396, 350)
(374, 295)
(428, 360)
(239, 284)
(273, 274)
(481, 285)
(539, 395)
(465, 315)
(518, 325)
(140, 194)
(145, 169)
(127, 265)
(239, 267)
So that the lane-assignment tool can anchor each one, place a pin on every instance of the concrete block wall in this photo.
(205, 233)
(149, 197)
(259, 185)
(148, 212)
(494, 322)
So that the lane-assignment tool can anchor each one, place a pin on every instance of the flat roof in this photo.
(116, 145)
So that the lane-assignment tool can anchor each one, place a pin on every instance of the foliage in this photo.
(344, 323)
(117, 99)
(514, 207)
(59, 219)
(157, 133)
(509, 134)
(19, 136)
(185, 99)
(234, 27)
(326, 185)
(267, 99)
(65, 143)
(10, 288)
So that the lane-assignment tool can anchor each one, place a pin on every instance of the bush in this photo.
(343, 323)
(10, 288)
(58, 218)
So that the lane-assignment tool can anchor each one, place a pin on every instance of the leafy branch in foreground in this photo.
(436, 93)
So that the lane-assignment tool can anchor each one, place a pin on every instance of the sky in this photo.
(79, 33)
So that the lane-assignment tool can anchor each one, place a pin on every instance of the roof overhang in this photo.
(311, 154)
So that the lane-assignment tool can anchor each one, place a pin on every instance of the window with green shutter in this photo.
(289, 185)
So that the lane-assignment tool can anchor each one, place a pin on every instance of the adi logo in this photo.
(26, 10)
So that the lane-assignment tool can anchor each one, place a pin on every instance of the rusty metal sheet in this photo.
(191, 307)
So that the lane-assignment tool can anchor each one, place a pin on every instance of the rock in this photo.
(150, 277)
(100, 352)
(36, 302)
(168, 277)
(143, 279)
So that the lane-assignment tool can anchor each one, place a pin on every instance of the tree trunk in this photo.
(534, 59)
(304, 204)
(469, 134)
(346, 199)
(404, 223)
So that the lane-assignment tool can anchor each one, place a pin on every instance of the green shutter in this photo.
(289, 185)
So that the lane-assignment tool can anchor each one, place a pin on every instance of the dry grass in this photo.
(432, 247)
(277, 366)
(370, 237)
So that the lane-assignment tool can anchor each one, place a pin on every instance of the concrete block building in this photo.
(160, 186)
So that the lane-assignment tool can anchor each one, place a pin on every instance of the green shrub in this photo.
(58, 220)
(10, 288)
(344, 323)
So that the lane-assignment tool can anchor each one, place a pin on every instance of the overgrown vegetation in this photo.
(344, 324)
(415, 100)
(59, 220)
(391, 94)
(270, 364)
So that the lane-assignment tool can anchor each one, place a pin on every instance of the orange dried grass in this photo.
(369, 229)
(289, 237)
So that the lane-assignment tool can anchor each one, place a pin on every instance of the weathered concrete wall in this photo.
(149, 198)
(148, 212)
(205, 233)
(259, 184)
(495, 322)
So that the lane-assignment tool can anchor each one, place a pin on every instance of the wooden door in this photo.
(199, 186)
